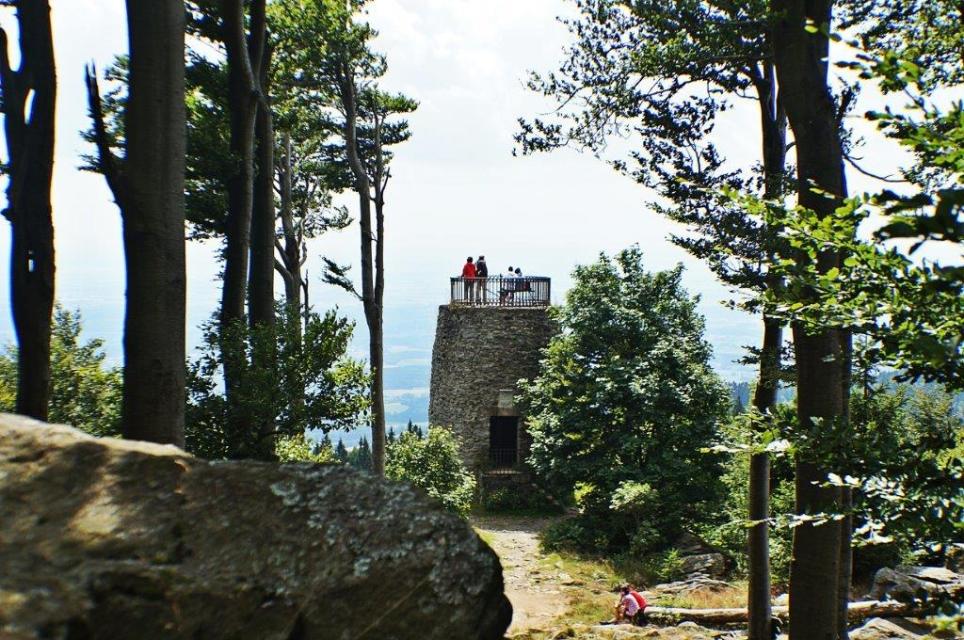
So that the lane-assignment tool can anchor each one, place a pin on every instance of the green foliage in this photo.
(912, 308)
(625, 398)
(310, 383)
(666, 566)
(908, 468)
(361, 456)
(531, 500)
(905, 452)
(659, 74)
(341, 452)
(415, 429)
(84, 393)
(746, 434)
(297, 449)
(433, 464)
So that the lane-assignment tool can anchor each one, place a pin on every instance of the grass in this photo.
(730, 597)
(487, 536)
(595, 583)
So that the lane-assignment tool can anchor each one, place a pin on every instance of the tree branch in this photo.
(107, 162)
(853, 163)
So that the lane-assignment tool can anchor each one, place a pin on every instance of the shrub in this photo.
(519, 500)
(84, 392)
(308, 382)
(434, 465)
(625, 399)
(297, 449)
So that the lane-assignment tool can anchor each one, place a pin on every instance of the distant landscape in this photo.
(409, 334)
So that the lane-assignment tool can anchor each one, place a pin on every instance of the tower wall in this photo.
(478, 353)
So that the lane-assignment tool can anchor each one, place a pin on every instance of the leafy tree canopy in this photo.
(625, 394)
(311, 384)
(433, 464)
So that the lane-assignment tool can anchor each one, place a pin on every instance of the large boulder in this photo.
(888, 629)
(712, 565)
(112, 539)
(908, 583)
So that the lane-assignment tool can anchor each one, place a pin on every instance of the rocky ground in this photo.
(555, 598)
(537, 595)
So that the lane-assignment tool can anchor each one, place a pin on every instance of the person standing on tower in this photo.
(481, 272)
(468, 277)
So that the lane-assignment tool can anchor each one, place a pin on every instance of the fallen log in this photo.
(856, 612)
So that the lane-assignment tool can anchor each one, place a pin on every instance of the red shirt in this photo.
(468, 271)
(640, 600)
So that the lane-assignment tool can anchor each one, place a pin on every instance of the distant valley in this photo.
(409, 334)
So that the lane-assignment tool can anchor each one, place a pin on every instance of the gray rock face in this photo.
(478, 352)
(689, 544)
(914, 583)
(712, 565)
(888, 629)
(113, 539)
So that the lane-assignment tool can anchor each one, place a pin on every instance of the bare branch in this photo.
(853, 163)
(107, 162)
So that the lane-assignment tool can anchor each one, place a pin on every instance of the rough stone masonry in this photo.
(112, 539)
(478, 352)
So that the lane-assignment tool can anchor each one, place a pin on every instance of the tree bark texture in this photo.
(153, 215)
(773, 123)
(290, 250)
(261, 276)
(372, 271)
(846, 496)
(244, 53)
(801, 61)
(29, 105)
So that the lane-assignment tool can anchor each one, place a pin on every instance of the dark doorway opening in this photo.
(503, 441)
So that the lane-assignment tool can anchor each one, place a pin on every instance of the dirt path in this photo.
(536, 594)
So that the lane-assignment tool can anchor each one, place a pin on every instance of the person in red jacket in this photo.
(640, 618)
(468, 277)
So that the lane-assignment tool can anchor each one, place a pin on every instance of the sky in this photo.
(456, 188)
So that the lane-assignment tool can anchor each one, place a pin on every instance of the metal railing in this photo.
(501, 291)
(503, 458)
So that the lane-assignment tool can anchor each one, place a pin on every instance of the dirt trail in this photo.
(536, 593)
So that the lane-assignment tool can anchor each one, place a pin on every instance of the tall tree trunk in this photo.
(846, 497)
(773, 122)
(243, 57)
(289, 264)
(370, 300)
(377, 344)
(801, 61)
(30, 153)
(261, 314)
(758, 536)
(261, 276)
(153, 213)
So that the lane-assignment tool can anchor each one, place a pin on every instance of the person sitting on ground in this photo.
(627, 607)
(640, 618)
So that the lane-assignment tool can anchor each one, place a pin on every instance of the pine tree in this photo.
(361, 456)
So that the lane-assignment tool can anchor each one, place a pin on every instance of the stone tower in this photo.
(485, 341)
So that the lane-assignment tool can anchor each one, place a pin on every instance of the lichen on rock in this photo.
(103, 538)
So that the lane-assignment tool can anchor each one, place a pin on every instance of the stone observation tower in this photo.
(487, 338)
